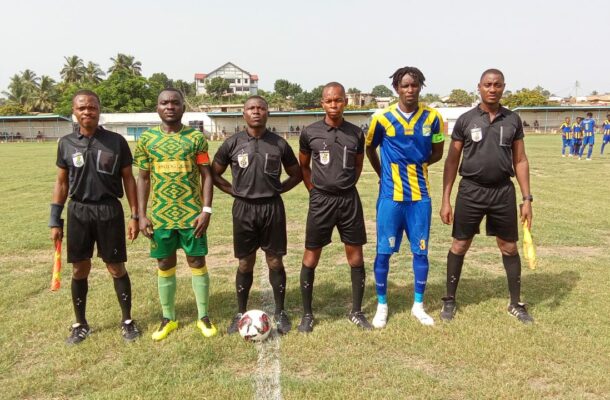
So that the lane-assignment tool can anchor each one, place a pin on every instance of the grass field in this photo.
(483, 353)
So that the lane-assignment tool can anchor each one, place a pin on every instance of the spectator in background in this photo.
(536, 126)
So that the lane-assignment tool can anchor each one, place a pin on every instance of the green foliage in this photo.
(217, 86)
(93, 73)
(354, 91)
(461, 97)
(160, 80)
(287, 89)
(187, 88)
(12, 109)
(525, 98)
(430, 98)
(73, 70)
(125, 63)
(381, 91)
(63, 104)
(126, 92)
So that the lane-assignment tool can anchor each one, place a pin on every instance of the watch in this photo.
(135, 217)
(528, 197)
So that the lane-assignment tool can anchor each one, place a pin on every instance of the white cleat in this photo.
(418, 312)
(381, 316)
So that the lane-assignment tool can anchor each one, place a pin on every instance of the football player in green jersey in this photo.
(173, 161)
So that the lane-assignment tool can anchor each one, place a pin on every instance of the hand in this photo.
(526, 213)
(57, 233)
(446, 213)
(132, 229)
(201, 224)
(146, 227)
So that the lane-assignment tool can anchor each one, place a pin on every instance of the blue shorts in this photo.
(396, 217)
(606, 138)
(588, 140)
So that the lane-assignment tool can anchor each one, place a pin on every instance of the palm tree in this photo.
(17, 91)
(93, 73)
(44, 97)
(73, 70)
(124, 62)
(29, 79)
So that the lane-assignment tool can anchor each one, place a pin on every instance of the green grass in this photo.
(483, 353)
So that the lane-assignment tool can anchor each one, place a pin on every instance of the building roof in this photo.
(200, 76)
(254, 77)
(289, 113)
(38, 117)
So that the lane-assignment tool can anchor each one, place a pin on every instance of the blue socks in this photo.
(420, 270)
(381, 269)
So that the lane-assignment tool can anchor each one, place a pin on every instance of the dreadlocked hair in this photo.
(414, 72)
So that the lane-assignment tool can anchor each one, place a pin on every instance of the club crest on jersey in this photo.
(476, 134)
(392, 241)
(78, 160)
(426, 130)
(242, 160)
(324, 157)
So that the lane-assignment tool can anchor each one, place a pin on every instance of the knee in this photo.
(195, 262)
(117, 270)
(80, 270)
(420, 261)
(460, 247)
(275, 262)
(382, 263)
(246, 265)
(509, 249)
(165, 264)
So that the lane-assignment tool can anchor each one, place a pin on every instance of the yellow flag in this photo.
(528, 247)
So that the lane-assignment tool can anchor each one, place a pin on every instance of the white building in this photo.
(240, 80)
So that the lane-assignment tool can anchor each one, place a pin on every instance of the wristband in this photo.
(135, 217)
(528, 198)
(55, 220)
(207, 209)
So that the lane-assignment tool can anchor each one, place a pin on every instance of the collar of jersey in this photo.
(175, 133)
(414, 117)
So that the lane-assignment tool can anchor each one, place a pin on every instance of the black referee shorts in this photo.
(497, 203)
(102, 223)
(259, 223)
(327, 210)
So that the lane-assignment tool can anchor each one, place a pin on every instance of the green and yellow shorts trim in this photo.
(165, 242)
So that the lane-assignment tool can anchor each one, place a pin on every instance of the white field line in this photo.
(268, 369)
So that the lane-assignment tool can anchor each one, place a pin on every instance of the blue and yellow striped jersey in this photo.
(565, 127)
(606, 125)
(406, 146)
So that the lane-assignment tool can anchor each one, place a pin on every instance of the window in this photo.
(136, 131)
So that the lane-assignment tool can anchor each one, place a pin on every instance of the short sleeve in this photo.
(519, 132)
(374, 135)
(288, 157)
(360, 148)
(61, 162)
(222, 155)
(126, 157)
(438, 130)
(304, 146)
(141, 159)
(201, 150)
(458, 130)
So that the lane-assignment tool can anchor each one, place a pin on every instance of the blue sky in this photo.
(358, 43)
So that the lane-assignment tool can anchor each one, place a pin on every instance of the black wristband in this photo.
(55, 220)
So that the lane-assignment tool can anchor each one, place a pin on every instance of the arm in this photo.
(60, 195)
(202, 221)
(371, 154)
(294, 177)
(143, 192)
(132, 198)
(522, 172)
(220, 182)
(449, 174)
(305, 162)
(437, 152)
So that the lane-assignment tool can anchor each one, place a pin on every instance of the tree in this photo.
(542, 91)
(125, 92)
(127, 63)
(217, 86)
(594, 93)
(187, 88)
(11, 109)
(430, 98)
(93, 73)
(73, 70)
(354, 90)
(286, 89)
(381, 91)
(461, 97)
(161, 79)
(525, 98)
(17, 91)
(44, 97)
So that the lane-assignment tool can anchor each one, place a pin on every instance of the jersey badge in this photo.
(78, 160)
(426, 130)
(476, 134)
(324, 157)
(392, 241)
(242, 160)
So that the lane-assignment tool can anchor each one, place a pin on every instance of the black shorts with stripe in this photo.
(497, 203)
(101, 223)
(327, 210)
(259, 223)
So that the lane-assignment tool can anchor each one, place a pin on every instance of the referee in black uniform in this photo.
(337, 149)
(256, 156)
(93, 165)
(490, 139)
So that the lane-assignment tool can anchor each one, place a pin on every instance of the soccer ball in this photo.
(254, 326)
